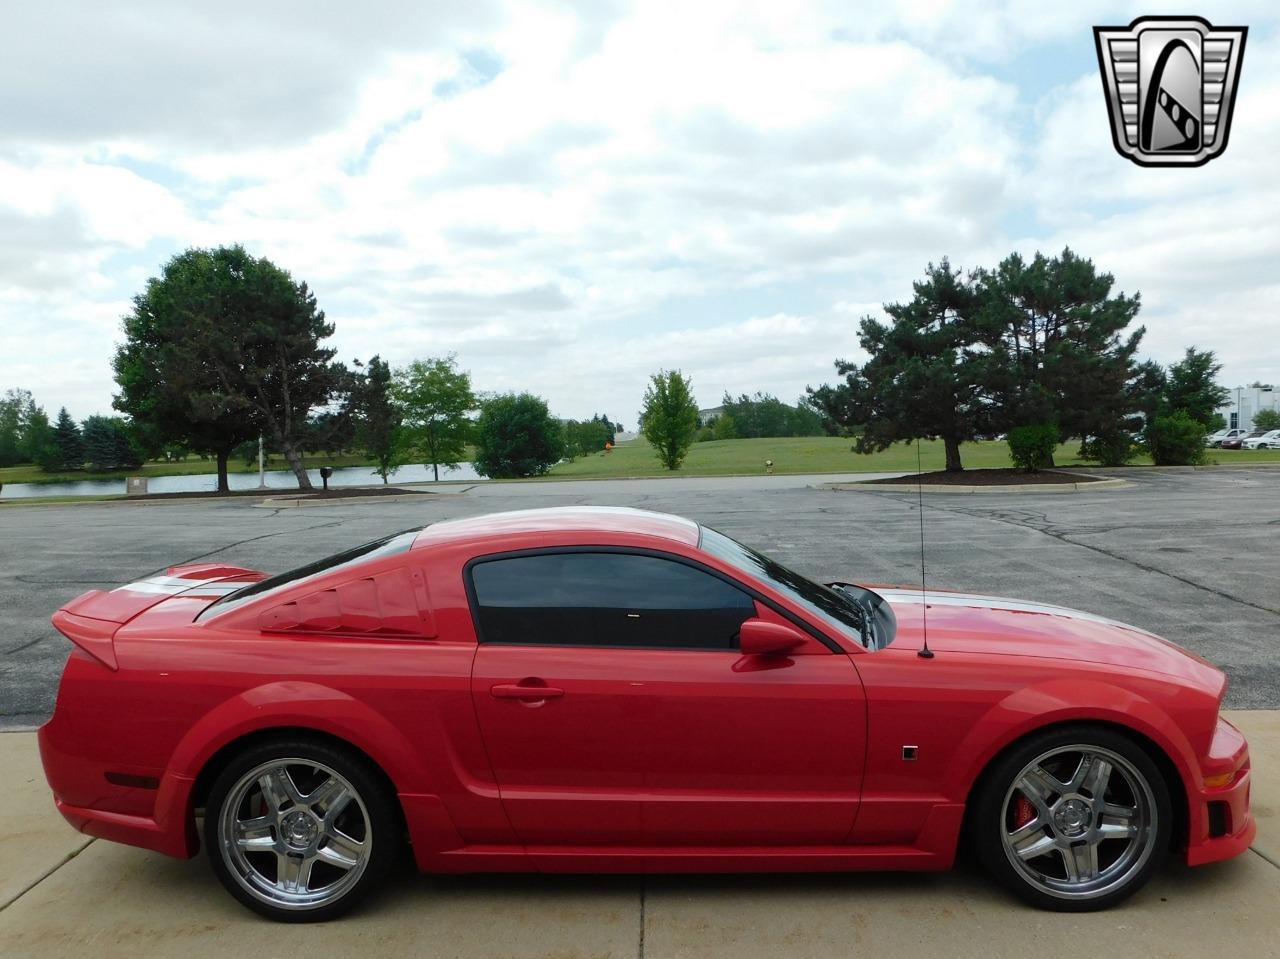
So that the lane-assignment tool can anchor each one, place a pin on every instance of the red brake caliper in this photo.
(1023, 812)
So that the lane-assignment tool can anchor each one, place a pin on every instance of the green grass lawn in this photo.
(191, 466)
(816, 454)
(825, 454)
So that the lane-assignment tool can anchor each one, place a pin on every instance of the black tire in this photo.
(1033, 841)
(361, 824)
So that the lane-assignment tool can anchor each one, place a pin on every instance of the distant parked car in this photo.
(1222, 436)
(1267, 441)
(1237, 442)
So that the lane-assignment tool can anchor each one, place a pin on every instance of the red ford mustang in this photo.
(614, 690)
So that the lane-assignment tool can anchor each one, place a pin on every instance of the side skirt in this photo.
(933, 850)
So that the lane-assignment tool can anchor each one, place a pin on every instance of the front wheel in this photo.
(1073, 820)
(300, 830)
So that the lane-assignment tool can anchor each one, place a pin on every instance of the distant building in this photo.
(1246, 402)
(706, 416)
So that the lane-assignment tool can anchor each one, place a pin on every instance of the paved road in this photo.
(1189, 555)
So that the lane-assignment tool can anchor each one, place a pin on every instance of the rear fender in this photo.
(304, 705)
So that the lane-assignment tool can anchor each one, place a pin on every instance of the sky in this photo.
(570, 197)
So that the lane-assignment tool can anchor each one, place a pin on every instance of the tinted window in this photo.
(823, 602)
(606, 599)
(387, 546)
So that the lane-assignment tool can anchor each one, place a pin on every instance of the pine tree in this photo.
(1057, 351)
(923, 377)
(378, 417)
(66, 436)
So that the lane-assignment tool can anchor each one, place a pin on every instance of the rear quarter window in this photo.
(392, 545)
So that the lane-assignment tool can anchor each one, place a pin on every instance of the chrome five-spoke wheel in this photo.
(1072, 821)
(1077, 820)
(295, 833)
(299, 831)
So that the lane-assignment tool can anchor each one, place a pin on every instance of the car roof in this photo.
(563, 519)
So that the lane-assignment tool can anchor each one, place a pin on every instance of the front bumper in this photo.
(1220, 822)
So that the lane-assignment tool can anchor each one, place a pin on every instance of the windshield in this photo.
(387, 546)
(837, 611)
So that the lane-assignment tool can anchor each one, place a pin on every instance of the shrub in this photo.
(1266, 420)
(516, 436)
(1111, 447)
(1031, 447)
(107, 444)
(1176, 439)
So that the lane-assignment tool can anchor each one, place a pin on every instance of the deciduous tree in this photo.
(669, 419)
(587, 437)
(1266, 420)
(435, 399)
(765, 415)
(16, 408)
(224, 346)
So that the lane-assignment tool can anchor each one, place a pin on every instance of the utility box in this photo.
(136, 486)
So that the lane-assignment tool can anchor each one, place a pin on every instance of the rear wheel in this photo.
(299, 830)
(1074, 820)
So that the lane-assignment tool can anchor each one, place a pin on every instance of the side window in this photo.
(606, 599)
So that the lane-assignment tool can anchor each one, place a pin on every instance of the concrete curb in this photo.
(292, 502)
(1020, 488)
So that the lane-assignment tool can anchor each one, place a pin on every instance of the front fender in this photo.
(1053, 702)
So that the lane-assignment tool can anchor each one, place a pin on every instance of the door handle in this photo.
(525, 691)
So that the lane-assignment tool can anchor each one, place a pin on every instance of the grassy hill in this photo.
(795, 454)
(826, 454)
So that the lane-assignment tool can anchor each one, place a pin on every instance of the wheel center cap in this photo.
(298, 829)
(1072, 817)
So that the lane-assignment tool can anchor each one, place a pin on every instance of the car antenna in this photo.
(924, 652)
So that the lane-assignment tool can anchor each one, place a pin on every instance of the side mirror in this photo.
(758, 638)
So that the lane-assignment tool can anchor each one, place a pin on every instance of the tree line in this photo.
(222, 348)
(27, 436)
(1040, 350)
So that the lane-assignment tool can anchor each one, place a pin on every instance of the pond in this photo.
(208, 482)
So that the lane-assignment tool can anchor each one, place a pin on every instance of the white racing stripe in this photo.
(151, 586)
(173, 585)
(974, 601)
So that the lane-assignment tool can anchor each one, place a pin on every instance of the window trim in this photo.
(473, 600)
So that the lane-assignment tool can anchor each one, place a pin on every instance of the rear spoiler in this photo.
(92, 619)
(94, 636)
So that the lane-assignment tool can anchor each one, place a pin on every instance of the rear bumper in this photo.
(130, 830)
(150, 818)
(1221, 823)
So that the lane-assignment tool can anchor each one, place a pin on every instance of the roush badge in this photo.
(1170, 84)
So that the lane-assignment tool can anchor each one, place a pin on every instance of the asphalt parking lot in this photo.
(1189, 555)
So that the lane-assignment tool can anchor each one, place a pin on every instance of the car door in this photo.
(616, 708)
